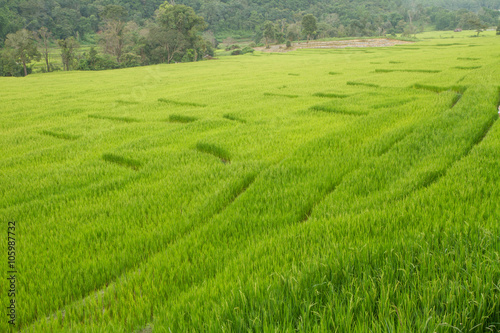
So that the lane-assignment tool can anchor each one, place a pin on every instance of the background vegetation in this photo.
(127, 33)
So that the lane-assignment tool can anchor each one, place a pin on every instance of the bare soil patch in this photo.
(338, 44)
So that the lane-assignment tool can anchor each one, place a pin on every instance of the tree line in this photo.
(173, 35)
(133, 33)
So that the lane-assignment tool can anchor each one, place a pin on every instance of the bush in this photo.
(236, 52)
(247, 49)
(130, 60)
(288, 44)
(9, 67)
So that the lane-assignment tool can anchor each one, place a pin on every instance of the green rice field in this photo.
(338, 190)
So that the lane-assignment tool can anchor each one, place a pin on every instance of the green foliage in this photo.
(268, 32)
(123, 161)
(309, 25)
(9, 66)
(180, 103)
(215, 150)
(23, 49)
(177, 118)
(68, 48)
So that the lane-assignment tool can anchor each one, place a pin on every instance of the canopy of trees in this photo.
(133, 32)
(65, 18)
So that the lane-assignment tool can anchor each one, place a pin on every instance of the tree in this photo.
(309, 25)
(68, 48)
(498, 30)
(471, 21)
(112, 37)
(269, 32)
(166, 43)
(24, 47)
(180, 18)
(45, 36)
(177, 31)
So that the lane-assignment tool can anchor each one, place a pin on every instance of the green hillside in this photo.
(317, 190)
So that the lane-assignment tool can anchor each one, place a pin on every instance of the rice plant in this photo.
(366, 206)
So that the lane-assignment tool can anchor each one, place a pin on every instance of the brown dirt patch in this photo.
(338, 44)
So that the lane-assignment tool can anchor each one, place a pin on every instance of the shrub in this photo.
(236, 52)
(288, 44)
(247, 49)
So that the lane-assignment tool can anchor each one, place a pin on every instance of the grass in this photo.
(378, 70)
(120, 160)
(353, 83)
(64, 136)
(230, 116)
(281, 95)
(468, 67)
(169, 101)
(215, 150)
(123, 119)
(377, 211)
(177, 118)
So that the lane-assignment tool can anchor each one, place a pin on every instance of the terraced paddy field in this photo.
(347, 190)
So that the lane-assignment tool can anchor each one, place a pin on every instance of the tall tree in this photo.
(309, 25)
(269, 32)
(24, 46)
(112, 37)
(45, 36)
(68, 49)
(178, 29)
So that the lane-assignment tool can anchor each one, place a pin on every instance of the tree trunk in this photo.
(25, 70)
(47, 62)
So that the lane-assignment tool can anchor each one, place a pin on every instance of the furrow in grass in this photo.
(397, 139)
(465, 58)
(169, 101)
(455, 100)
(407, 70)
(121, 101)
(338, 110)
(214, 150)
(334, 73)
(280, 95)
(222, 199)
(467, 67)
(438, 89)
(177, 118)
(123, 119)
(308, 210)
(123, 161)
(233, 117)
(64, 136)
(432, 177)
(393, 103)
(354, 83)
(293, 74)
(330, 95)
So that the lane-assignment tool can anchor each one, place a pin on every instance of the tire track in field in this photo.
(435, 176)
(187, 236)
(234, 194)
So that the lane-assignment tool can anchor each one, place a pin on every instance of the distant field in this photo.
(348, 190)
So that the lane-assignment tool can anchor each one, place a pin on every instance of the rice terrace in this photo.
(315, 190)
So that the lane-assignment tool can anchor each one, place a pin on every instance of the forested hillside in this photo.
(128, 33)
(77, 18)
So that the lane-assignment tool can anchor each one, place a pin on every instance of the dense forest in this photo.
(131, 33)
